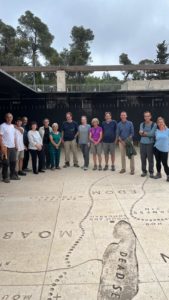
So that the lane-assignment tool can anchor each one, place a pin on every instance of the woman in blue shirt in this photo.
(161, 147)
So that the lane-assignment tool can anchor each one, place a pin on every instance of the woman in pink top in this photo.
(95, 136)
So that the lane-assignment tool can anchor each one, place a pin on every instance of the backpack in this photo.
(152, 125)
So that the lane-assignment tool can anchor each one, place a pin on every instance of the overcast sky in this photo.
(130, 26)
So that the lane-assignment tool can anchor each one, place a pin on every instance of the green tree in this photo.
(65, 57)
(35, 36)
(124, 60)
(144, 75)
(53, 59)
(11, 52)
(80, 48)
(79, 53)
(162, 58)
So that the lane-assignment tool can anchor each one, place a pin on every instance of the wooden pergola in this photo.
(86, 68)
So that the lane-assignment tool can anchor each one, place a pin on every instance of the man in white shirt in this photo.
(8, 142)
(19, 131)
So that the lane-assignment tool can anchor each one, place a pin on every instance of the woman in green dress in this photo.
(54, 146)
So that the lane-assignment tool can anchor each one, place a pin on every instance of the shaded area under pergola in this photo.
(11, 86)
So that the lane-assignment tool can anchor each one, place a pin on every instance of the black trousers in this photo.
(26, 159)
(85, 150)
(46, 158)
(161, 157)
(37, 156)
(9, 163)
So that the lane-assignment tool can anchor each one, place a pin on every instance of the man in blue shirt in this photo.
(125, 130)
(147, 133)
(109, 136)
(69, 135)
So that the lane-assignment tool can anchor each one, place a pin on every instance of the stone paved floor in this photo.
(75, 235)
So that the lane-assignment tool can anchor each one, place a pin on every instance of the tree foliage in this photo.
(124, 60)
(11, 52)
(36, 37)
(31, 43)
(144, 75)
(79, 48)
(79, 52)
(162, 58)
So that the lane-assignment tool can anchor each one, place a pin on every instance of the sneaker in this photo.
(157, 176)
(95, 168)
(66, 165)
(85, 168)
(21, 173)
(6, 180)
(122, 171)
(76, 165)
(151, 175)
(113, 168)
(15, 177)
(105, 168)
(144, 174)
(58, 168)
(132, 172)
(100, 168)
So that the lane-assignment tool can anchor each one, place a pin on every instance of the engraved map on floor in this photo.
(75, 235)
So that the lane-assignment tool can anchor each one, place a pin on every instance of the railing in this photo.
(45, 88)
(101, 87)
(78, 87)
(130, 85)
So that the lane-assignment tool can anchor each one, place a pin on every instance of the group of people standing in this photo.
(20, 140)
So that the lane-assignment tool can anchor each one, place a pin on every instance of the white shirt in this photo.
(7, 131)
(19, 140)
(34, 138)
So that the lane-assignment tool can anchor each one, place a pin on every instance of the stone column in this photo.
(61, 81)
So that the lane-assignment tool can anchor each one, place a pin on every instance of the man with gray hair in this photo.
(8, 146)
(125, 132)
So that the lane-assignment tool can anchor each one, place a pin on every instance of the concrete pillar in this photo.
(61, 81)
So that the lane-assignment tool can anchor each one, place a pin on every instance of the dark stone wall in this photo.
(55, 105)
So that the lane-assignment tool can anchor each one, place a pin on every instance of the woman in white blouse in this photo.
(35, 148)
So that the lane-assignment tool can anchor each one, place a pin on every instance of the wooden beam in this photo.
(86, 68)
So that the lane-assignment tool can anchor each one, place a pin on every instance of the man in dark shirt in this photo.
(109, 136)
(25, 140)
(45, 131)
(69, 135)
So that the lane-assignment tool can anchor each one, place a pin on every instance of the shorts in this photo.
(19, 155)
(109, 148)
(96, 149)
